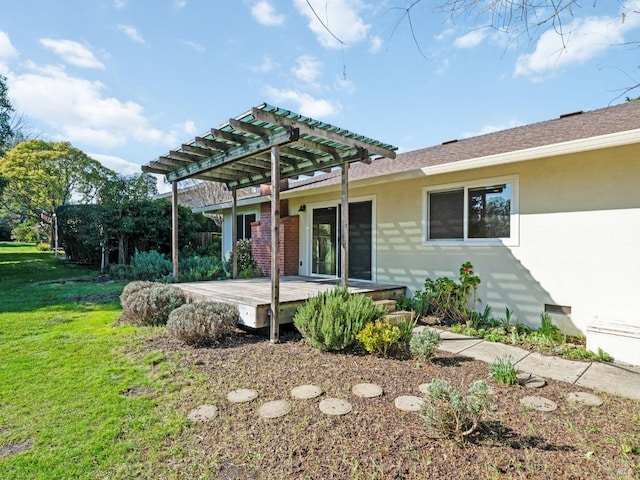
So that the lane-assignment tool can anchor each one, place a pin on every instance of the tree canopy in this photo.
(41, 176)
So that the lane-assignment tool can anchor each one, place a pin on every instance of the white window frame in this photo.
(514, 222)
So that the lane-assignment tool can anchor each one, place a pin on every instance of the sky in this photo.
(129, 80)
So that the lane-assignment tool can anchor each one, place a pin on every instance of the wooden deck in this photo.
(253, 296)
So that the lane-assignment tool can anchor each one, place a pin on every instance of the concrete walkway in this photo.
(606, 377)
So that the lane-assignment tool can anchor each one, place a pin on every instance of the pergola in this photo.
(265, 146)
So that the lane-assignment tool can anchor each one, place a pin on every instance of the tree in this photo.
(117, 196)
(6, 111)
(41, 176)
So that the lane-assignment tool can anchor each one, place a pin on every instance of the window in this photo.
(243, 224)
(479, 212)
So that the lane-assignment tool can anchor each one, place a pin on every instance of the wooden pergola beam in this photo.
(236, 153)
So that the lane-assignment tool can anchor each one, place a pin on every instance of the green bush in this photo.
(119, 272)
(424, 344)
(503, 370)
(376, 337)
(150, 265)
(43, 247)
(447, 412)
(196, 268)
(151, 305)
(202, 323)
(452, 301)
(332, 319)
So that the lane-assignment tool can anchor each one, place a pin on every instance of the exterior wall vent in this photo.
(571, 114)
(560, 309)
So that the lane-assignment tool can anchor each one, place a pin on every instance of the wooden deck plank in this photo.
(253, 296)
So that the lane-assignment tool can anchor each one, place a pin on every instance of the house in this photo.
(548, 214)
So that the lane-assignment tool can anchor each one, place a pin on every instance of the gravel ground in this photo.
(376, 440)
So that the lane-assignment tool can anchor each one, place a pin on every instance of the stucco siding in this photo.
(579, 221)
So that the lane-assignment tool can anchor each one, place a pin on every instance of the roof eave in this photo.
(557, 149)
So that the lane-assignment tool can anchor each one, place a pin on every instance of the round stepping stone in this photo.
(275, 409)
(203, 413)
(540, 404)
(305, 392)
(409, 403)
(367, 390)
(424, 388)
(584, 398)
(242, 395)
(530, 381)
(334, 406)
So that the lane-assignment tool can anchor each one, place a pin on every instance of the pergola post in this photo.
(174, 228)
(344, 226)
(234, 234)
(274, 330)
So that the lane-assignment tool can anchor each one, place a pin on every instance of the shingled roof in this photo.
(570, 127)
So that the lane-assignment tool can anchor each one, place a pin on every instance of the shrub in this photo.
(133, 287)
(202, 323)
(152, 305)
(449, 413)
(247, 267)
(376, 337)
(332, 319)
(503, 370)
(406, 327)
(452, 301)
(423, 344)
(150, 265)
(43, 247)
(196, 268)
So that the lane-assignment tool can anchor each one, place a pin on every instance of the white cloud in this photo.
(7, 52)
(195, 45)
(304, 103)
(376, 44)
(117, 164)
(444, 34)
(492, 128)
(264, 13)
(443, 67)
(470, 40)
(340, 17)
(132, 33)
(120, 4)
(77, 109)
(583, 39)
(307, 69)
(72, 52)
(266, 66)
(180, 3)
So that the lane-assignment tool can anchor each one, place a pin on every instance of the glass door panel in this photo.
(324, 242)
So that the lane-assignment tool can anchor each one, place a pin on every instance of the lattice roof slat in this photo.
(237, 152)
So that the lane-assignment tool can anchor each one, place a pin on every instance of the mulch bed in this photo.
(376, 440)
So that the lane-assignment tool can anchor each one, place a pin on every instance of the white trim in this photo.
(514, 223)
(564, 148)
(309, 233)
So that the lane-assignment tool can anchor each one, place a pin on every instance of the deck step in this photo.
(394, 317)
(389, 304)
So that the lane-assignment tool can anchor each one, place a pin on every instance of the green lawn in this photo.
(65, 370)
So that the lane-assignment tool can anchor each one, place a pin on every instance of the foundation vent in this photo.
(560, 309)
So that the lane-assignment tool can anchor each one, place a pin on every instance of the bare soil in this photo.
(376, 440)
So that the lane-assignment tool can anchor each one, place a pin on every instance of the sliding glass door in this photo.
(325, 241)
